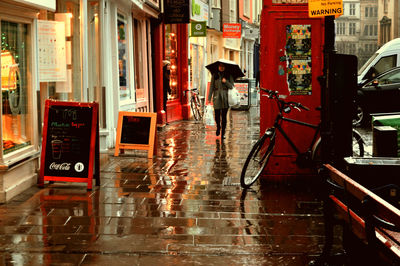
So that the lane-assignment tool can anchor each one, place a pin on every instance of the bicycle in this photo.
(195, 104)
(260, 153)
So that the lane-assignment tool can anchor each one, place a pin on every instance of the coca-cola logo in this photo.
(60, 166)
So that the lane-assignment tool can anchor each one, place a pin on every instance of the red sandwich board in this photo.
(70, 144)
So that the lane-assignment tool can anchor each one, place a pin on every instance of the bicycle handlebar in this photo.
(195, 90)
(275, 95)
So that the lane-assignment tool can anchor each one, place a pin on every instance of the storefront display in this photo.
(124, 91)
(14, 86)
(171, 56)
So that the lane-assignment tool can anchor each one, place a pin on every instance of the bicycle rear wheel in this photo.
(200, 110)
(357, 148)
(195, 109)
(257, 160)
(358, 144)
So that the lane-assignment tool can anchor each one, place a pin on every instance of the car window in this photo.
(385, 63)
(367, 64)
(390, 78)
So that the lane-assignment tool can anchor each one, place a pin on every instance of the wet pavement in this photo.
(184, 207)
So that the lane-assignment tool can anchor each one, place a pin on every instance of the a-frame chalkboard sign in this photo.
(136, 131)
(70, 144)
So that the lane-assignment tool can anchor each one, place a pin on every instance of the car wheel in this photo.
(359, 116)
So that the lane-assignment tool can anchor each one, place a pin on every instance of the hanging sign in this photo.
(176, 11)
(70, 145)
(232, 30)
(42, 4)
(323, 8)
(199, 11)
(136, 130)
(198, 29)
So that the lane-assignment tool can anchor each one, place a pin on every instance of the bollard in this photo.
(384, 142)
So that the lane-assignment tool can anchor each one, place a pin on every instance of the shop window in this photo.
(197, 67)
(96, 92)
(69, 12)
(15, 86)
(171, 55)
(124, 91)
(139, 59)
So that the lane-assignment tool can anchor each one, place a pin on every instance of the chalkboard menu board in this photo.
(70, 141)
(136, 131)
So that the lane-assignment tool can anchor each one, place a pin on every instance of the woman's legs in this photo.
(218, 120)
(218, 114)
(223, 126)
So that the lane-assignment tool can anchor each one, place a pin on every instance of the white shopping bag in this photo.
(233, 97)
(209, 116)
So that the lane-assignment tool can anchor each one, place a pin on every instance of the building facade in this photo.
(368, 42)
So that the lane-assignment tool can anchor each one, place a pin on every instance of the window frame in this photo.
(31, 117)
(128, 70)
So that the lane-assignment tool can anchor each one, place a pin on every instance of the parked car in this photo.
(385, 58)
(379, 95)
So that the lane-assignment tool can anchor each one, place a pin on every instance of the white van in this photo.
(387, 57)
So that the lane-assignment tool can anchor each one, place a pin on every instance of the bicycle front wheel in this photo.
(257, 160)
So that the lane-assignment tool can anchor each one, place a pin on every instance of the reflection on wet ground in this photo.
(184, 207)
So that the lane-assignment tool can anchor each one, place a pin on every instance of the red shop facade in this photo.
(171, 44)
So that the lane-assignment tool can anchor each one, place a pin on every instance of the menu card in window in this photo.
(52, 53)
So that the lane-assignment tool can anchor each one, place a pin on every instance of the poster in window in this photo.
(52, 51)
(298, 59)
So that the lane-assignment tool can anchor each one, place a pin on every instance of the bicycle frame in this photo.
(277, 126)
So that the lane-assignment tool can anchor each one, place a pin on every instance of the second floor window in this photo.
(232, 11)
(371, 12)
(341, 28)
(216, 3)
(371, 30)
(352, 9)
(352, 48)
(246, 8)
(352, 28)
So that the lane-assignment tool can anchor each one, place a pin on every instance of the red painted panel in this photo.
(273, 67)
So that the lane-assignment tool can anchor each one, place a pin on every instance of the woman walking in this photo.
(221, 82)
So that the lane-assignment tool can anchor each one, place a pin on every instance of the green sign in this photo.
(198, 29)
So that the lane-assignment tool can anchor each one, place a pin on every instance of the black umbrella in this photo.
(230, 67)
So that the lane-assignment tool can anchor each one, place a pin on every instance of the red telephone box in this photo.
(291, 60)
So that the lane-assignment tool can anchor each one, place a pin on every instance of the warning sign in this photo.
(323, 8)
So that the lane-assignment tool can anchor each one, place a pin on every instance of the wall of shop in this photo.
(20, 61)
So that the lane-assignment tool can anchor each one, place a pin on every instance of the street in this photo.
(184, 207)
